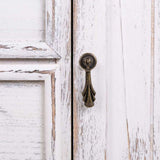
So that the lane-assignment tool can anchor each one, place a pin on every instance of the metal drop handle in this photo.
(88, 61)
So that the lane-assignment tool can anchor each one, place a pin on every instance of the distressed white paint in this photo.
(135, 40)
(24, 24)
(24, 51)
(38, 72)
(26, 123)
(62, 44)
(90, 37)
(22, 120)
(27, 50)
(118, 127)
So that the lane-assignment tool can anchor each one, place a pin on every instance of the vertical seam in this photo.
(72, 79)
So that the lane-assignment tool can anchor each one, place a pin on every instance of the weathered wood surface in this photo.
(24, 50)
(26, 116)
(156, 111)
(90, 37)
(27, 50)
(62, 45)
(22, 120)
(120, 125)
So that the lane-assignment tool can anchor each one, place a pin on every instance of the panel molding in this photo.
(36, 49)
(39, 61)
(49, 102)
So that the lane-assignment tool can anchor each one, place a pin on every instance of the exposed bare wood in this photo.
(53, 105)
(27, 50)
(61, 23)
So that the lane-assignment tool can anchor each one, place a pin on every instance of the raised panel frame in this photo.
(33, 50)
(37, 60)
(48, 78)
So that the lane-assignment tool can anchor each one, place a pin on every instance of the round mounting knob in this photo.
(88, 61)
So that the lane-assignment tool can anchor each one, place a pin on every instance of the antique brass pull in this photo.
(88, 62)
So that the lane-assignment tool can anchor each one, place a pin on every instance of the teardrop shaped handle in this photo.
(88, 62)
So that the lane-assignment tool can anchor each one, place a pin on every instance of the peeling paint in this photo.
(4, 47)
(129, 152)
(32, 48)
(34, 71)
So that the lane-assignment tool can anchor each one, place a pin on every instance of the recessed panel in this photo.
(22, 131)
(22, 20)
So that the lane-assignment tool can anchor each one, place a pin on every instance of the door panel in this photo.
(25, 19)
(26, 127)
(35, 42)
(120, 125)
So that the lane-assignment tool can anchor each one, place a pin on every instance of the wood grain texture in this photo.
(34, 48)
(136, 56)
(90, 37)
(61, 42)
(26, 120)
(26, 29)
(27, 50)
(119, 126)
(22, 127)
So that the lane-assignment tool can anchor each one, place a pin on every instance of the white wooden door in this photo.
(123, 124)
(34, 80)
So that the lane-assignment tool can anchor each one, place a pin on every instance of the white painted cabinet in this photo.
(34, 80)
(37, 118)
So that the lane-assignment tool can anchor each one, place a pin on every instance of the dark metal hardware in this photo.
(88, 62)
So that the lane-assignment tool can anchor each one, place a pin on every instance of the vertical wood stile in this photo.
(61, 26)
